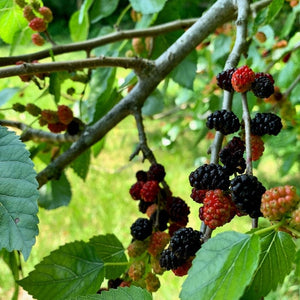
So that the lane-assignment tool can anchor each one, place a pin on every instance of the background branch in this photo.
(97, 42)
(103, 61)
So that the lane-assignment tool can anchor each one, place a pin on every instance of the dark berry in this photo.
(209, 177)
(265, 123)
(233, 161)
(75, 126)
(141, 175)
(262, 87)
(141, 229)
(246, 193)
(114, 283)
(198, 195)
(160, 221)
(169, 260)
(143, 205)
(185, 242)
(224, 79)
(178, 210)
(224, 121)
(156, 172)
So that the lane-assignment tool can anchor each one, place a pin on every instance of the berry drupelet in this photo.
(185, 242)
(224, 79)
(141, 229)
(224, 121)
(265, 123)
(262, 87)
(246, 193)
(209, 177)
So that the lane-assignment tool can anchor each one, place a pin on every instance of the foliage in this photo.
(171, 77)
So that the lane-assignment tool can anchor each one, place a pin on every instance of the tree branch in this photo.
(103, 61)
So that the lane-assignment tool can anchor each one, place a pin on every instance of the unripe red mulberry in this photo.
(46, 13)
(278, 201)
(150, 191)
(158, 241)
(57, 127)
(136, 270)
(65, 114)
(38, 24)
(37, 39)
(50, 116)
(242, 79)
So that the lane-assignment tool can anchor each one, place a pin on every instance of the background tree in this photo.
(152, 59)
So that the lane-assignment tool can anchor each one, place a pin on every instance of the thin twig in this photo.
(38, 135)
(246, 119)
(143, 145)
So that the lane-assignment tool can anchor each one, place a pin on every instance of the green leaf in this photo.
(55, 193)
(102, 88)
(148, 6)
(154, 104)
(12, 261)
(81, 164)
(273, 9)
(275, 262)
(55, 86)
(185, 73)
(221, 45)
(72, 270)
(21, 38)
(18, 195)
(11, 20)
(84, 9)
(6, 94)
(98, 147)
(79, 27)
(227, 260)
(121, 293)
(111, 250)
(102, 9)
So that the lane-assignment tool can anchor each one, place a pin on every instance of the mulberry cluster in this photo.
(183, 246)
(38, 19)
(61, 120)
(224, 121)
(156, 200)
